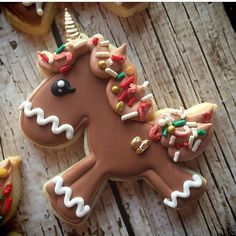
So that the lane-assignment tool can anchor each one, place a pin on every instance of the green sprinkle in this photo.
(1, 218)
(60, 49)
(1, 196)
(178, 123)
(201, 132)
(120, 76)
(164, 132)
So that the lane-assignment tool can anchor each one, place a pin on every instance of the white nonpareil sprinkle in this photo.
(102, 54)
(111, 72)
(196, 145)
(176, 156)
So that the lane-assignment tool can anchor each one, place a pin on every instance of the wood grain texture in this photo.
(188, 53)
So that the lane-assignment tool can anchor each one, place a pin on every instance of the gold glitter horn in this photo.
(71, 28)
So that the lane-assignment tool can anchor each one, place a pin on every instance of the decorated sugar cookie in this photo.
(10, 187)
(89, 83)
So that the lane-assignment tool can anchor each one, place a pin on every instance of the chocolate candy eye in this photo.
(61, 87)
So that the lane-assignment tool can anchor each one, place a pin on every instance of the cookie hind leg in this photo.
(180, 189)
(72, 194)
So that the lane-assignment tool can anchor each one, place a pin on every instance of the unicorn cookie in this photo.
(90, 83)
(10, 187)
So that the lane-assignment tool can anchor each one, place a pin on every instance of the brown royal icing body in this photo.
(109, 137)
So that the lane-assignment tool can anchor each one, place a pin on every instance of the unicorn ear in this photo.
(120, 51)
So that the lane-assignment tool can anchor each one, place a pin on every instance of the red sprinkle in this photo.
(207, 116)
(65, 68)
(95, 41)
(132, 89)
(179, 145)
(7, 189)
(117, 58)
(44, 57)
(131, 102)
(142, 107)
(155, 133)
(125, 83)
(7, 204)
(122, 96)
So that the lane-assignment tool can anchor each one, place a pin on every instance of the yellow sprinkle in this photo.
(115, 89)
(130, 70)
(3, 173)
(102, 65)
(120, 106)
(171, 129)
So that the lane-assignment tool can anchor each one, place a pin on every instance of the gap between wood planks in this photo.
(112, 184)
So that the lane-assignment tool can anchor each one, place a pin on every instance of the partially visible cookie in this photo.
(10, 187)
(34, 19)
(125, 9)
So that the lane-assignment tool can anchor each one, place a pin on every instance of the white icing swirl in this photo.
(81, 209)
(26, 107)
(195, 183)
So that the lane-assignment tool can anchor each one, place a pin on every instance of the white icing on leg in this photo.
(26, 107)
(81, 209)
(195, 183)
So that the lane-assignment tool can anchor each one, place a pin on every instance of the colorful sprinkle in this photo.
(7, 189)
(131, 101)
(125, 83)
(3, 173)
(201, 132)
(147, 97)
(104, 43)
(171, 129)
(207, 116)
(172, 140)
(102, 54)
(130, 70)
(60, 49)
(117, 58)
(196, 145)
(44, 57)
(179, 123)
(111, 72)
(176, 156)
(164, 132)
(191, 124)
(155, 133)
(129, 115)
(120, 106)
(102, 65)
(190, 141)
(65, 68)
(123, 96)
(161, 122)
(7, 204)
(1, 196)
(120, 76)
(95, 41)
(115, 89)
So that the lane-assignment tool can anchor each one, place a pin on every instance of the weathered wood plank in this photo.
(19, 76)
(187, 52)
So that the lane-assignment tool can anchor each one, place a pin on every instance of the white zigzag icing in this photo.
(81, 209)
(26, 106)
(195, 183)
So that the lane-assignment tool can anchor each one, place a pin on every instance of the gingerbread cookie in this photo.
(10, 187)
(90, 83)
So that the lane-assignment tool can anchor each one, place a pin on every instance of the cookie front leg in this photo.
(72, 194)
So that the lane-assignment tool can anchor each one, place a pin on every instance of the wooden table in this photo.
(188, 53)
